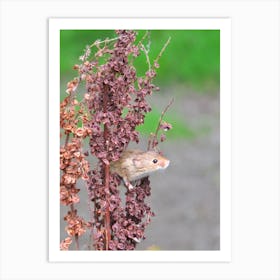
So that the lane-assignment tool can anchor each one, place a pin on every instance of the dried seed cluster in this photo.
(113, 105)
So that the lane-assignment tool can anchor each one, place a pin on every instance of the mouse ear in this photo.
(137, 162)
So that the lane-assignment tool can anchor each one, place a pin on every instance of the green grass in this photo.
(192, 57)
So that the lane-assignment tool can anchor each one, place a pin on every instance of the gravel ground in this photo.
(186, 196)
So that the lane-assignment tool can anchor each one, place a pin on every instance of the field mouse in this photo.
(136, 164)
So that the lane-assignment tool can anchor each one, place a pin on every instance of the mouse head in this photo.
(151, 160)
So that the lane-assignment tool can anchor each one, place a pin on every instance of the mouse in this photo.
(137, 164)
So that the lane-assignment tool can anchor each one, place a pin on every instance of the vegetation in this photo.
(192, 58)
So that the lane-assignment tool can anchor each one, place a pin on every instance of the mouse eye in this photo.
(155, 160)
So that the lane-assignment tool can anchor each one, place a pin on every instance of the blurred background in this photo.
(186, 196)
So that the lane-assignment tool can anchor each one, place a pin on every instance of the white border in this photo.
(255, 139)
(222, 255)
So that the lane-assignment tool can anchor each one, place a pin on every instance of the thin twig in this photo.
(147, 55)
(76, 235)
(90, 210)
(144, 37)
(162, 50)
(104, 41)
(107, 222)
(152, 140)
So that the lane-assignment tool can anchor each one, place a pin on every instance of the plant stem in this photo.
(66, 139)
(107, 222)
(107, 211)
(162, 50)
(96, 43)
(154, 136)
(147, 56)
(76, 235)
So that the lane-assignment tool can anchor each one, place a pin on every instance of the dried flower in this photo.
(112, 87)
(65, 244)
(165, 126)
(75, 224)
(162, 137)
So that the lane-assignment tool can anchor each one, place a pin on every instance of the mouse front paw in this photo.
(130, 187)
(128, 184)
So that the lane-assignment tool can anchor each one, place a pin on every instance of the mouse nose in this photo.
(165, 164)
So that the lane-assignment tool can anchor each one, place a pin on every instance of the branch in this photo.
(153, 136)
(107, 222)
(97, 42)
(76, 235)
(162, 50)
(146, 54)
